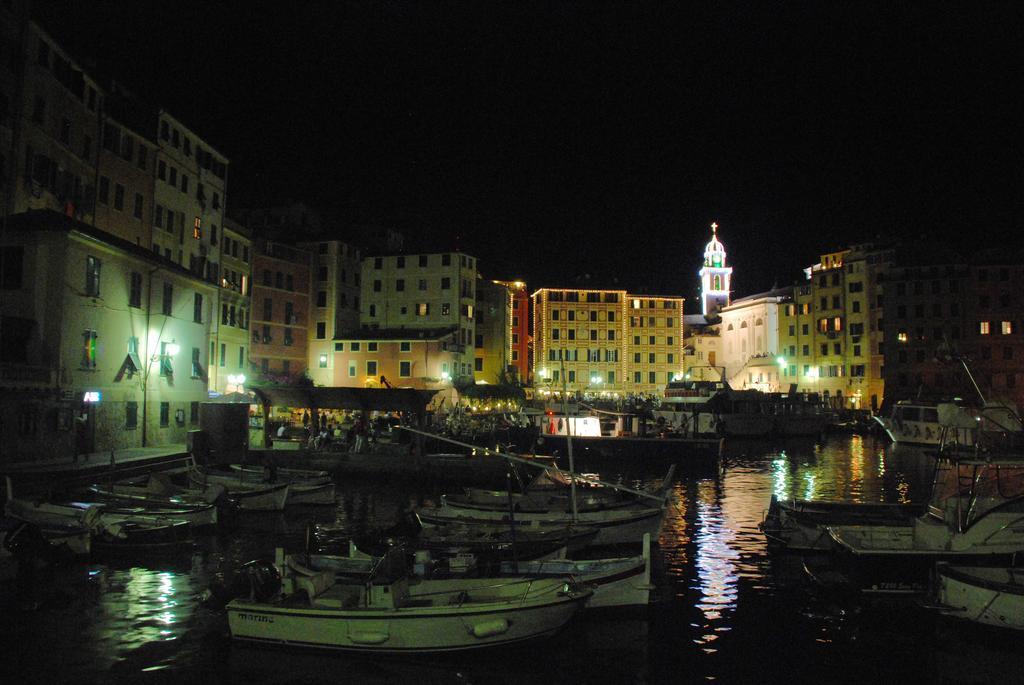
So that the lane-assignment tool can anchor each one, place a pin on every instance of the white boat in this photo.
(250, 496)
(307, 486)
(913, 422)
(283, 474)
(796, 525)
(989, 595)
(116, 496)
(624, 525)
(975, 516)
(616, 582)
(917, 423)
(400, 615)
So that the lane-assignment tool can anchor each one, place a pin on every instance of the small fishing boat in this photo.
(290, 604)
(250, 496)
(505, 542)
(113, 529)
(797, 525)
(115, 496)
(989, 595)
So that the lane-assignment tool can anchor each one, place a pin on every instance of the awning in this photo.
(363, 399)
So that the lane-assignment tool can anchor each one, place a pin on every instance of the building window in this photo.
(165, 414)
(166, 363)
(373, 310)
(377, 286)
(197, 308)
(323, 361)
(118, 197)
(89, 349)
(1006, 327)
(197, 368)
(371, 368)
(405, 369)
(355, 346)
(405, 346)
(131, 415)
(351, 370)
(371, 347)
(92, 276)
(321, 330)
(984, 327)
(135, 289)
(400, 285)
(446, 309)
(167, 299)
(446, 283)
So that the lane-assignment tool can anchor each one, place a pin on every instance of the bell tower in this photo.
(714, 276)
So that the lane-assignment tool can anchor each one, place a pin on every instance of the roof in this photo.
(396, 334)
(365, 399)
(786, 291)
(50, 220)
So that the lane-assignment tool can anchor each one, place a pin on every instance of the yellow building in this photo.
(423, 292)
(606, 341)
(334, 302)
(831, 335)
(229, 344)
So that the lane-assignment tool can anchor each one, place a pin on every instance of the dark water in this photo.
(728, 612)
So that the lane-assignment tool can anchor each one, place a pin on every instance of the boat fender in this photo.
(368, 637)
(491, 628)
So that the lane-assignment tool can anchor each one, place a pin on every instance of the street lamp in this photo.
(172, 348)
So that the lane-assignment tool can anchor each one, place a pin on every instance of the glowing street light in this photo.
(173, 348)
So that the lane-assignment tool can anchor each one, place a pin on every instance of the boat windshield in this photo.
(973, 489)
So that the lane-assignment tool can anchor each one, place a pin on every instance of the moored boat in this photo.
(250, 496)
(796, 525)
(401, 615)
(988, 595)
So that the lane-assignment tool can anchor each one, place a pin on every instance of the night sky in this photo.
(588, 143)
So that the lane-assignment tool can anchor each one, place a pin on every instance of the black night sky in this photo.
(557, 139)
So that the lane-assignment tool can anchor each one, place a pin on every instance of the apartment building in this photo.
(98, 337)
(230, 341)
(938, 309)
(280, 311)
(606, 341)
(832, 334)
(51, 113)
(499, 330)
(334, 302)
(125, 184)
(190, 193)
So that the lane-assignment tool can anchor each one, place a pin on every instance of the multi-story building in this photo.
(750, 340)
(334, 302)
(52, 124)
(831, 335)
(13, 34)
(937, 309)
(125, 178)
(102, 342)
(280, 310)
(190, 193)
(606, 341)
(423, 291)
(230, 342)
(702, 348)
(501, 338)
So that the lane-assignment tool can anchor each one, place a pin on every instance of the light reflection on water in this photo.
(727, 611)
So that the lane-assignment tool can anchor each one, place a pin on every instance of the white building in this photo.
(750, 340)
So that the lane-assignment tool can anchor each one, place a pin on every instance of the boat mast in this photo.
(568, 442)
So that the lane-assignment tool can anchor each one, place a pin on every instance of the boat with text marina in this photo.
(298, 606)
(988, 595)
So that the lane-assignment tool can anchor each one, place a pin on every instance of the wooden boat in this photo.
(989, 595)
(116, 496)
(797, 525)
(250, 496)
(503, 541)
(112, 530)
(615, 526)
(307, 486)
(402, 615)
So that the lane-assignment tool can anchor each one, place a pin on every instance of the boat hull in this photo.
(414, 629)
(311, 494)
(990, 596)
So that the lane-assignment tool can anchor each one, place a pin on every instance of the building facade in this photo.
(334, 301)
(832, 334)
(126, 182)
(230, 339)
(279, 320)
(715, 276)
(103, 343)
(423, 292)
(606, 341)
(750, 340)
(937, 312)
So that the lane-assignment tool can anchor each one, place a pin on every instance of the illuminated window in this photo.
(89, 349)
(838, 323)
(902, 336)
(197, 228)
(636, 304)
(984, 327)
(323, 361)
(1006, 327)
(92, 276)
(422, 309)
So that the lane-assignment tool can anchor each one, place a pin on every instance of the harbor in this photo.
(723, 608)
